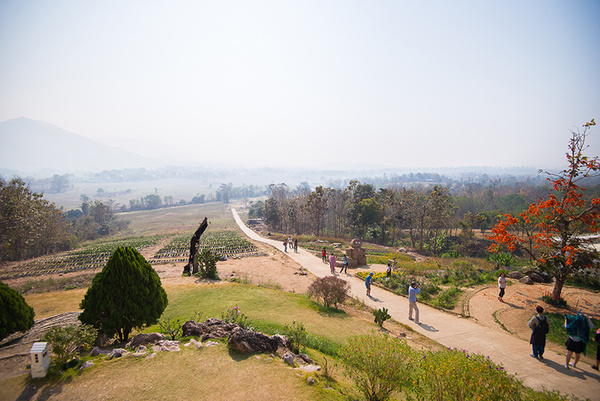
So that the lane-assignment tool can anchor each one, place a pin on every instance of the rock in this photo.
(139, 354)
(117, 353)
(310, 380)
(197, 344)
(87, 364)
(311, 368)
(166, 346)
(526, 280)
(97, 351)
(547, 278)
(536, 277)
(306, 358)
(246, 341)
(141, 348)
(289, 359)
(516, 275)
(150, 356)
(211, 343)
(144, 339)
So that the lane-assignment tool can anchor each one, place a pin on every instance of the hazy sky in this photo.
(331, 84)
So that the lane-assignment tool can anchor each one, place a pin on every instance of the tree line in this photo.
(422, 217)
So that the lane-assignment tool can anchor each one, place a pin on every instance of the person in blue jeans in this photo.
(344, 265)
(368, 282)
(538, 337)
(413, 290)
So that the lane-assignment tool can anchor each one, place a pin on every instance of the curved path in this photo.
(454, 332)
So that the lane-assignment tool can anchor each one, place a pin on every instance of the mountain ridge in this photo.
(34, 146)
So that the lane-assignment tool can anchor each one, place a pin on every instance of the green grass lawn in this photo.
(269, 310)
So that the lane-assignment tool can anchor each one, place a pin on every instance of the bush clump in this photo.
(66, 342)
(377, 364)
(331, 290)
(15, 314)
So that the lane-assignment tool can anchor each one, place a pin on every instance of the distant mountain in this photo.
(32, 147)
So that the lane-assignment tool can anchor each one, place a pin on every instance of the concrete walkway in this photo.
(455, 332)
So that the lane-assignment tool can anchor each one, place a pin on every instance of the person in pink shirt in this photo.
(332, 263)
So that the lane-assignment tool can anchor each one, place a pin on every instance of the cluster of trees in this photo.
(94, 219)
(31, 226)
(422, 215)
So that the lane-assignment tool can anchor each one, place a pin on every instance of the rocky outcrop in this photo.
(247, 342)
(210, 329)
(144, 339)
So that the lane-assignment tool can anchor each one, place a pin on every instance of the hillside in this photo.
(35, 146)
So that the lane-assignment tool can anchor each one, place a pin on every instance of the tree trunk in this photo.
(194, 246)
(558, 286)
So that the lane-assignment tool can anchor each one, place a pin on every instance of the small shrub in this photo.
(174, 327)
(381, 315)
(296, 334)
(331, 290)
(236, 316)
(171, 327)
(447, 298)
(502, 258)
(378, 364)
(68, 340)
(549, 299)
(207, 264)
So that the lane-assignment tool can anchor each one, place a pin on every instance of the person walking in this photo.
(332, 263)
(368, 283)
(344, 265)
(578, 328)
(324, 255)
(296, 245)
(501, 285)
(388, 272)
(539, 328)
(413, 290)
(285, 246)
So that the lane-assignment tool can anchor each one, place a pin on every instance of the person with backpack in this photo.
(539, 328)
(578, 328)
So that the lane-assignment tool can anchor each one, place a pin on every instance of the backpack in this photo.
(543, 327)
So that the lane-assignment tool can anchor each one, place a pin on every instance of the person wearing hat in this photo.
(368, 282)
(413, 290)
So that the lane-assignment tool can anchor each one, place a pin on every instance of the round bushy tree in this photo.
(15, 314)
(127, 294)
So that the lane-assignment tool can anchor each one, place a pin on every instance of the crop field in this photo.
(224, 243)
(90, 257)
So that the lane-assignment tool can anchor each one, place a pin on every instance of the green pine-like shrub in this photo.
(127, 294)
(15, 314)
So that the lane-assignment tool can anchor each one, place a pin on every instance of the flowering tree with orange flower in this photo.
(555, 232)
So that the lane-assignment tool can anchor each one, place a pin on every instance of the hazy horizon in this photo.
(331, 85)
